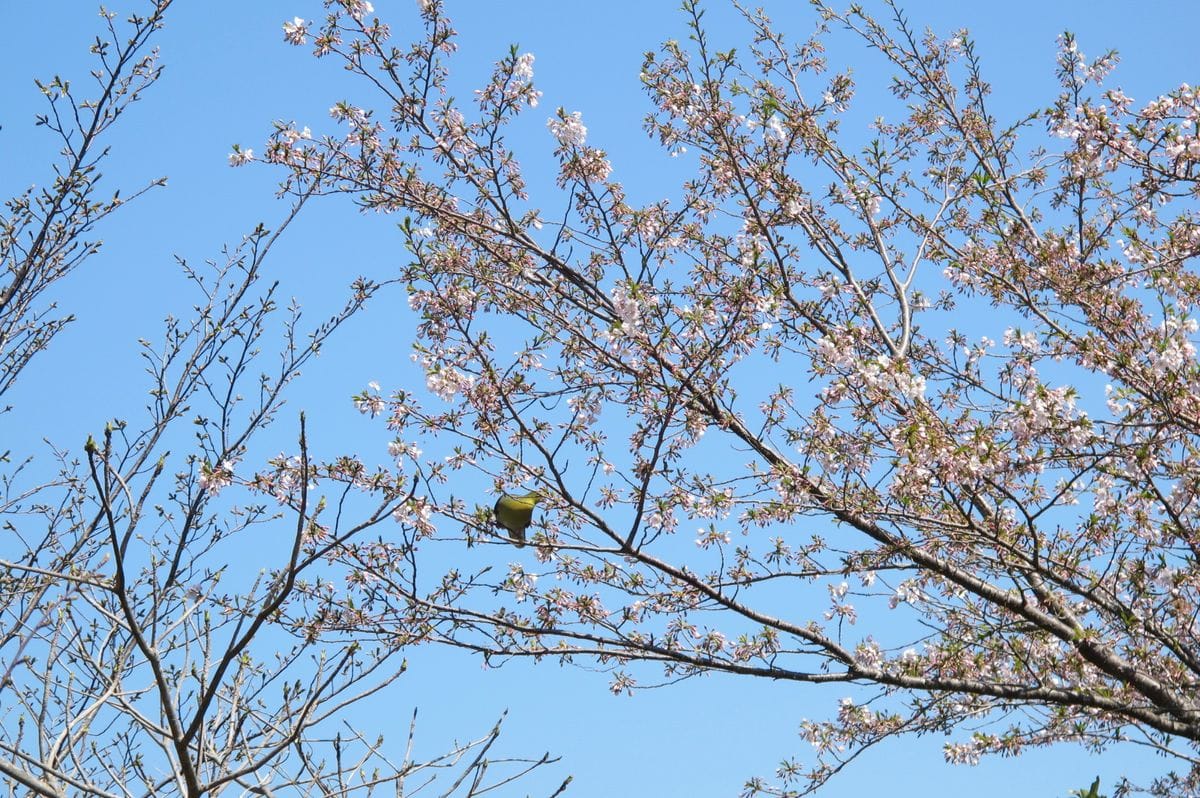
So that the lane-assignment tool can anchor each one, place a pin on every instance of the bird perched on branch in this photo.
(515, 513)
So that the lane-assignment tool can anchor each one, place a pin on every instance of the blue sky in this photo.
(229, 74)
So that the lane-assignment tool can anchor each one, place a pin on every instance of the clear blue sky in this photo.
(229, 74)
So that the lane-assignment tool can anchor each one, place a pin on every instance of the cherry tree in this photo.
(149, 643)
(909, 407)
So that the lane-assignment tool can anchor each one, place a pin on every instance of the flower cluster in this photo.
(568, 129)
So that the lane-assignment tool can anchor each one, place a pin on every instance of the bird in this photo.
(515, 513)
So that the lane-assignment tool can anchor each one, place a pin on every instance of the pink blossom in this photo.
(213, 479)
(523, 69)
(240, 156)
(296, 31)
(568, 129)
(358, 9)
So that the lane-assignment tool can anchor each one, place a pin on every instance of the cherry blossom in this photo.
(296, 31)
(568, 128)
(927, 409)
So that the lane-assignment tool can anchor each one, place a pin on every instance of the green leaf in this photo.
(1092, 792)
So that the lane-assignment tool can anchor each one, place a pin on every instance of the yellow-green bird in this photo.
(515, 513)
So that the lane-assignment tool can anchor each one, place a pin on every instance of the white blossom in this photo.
(568, 129)
(296, 31)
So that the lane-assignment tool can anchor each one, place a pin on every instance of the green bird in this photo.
(515, 513)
